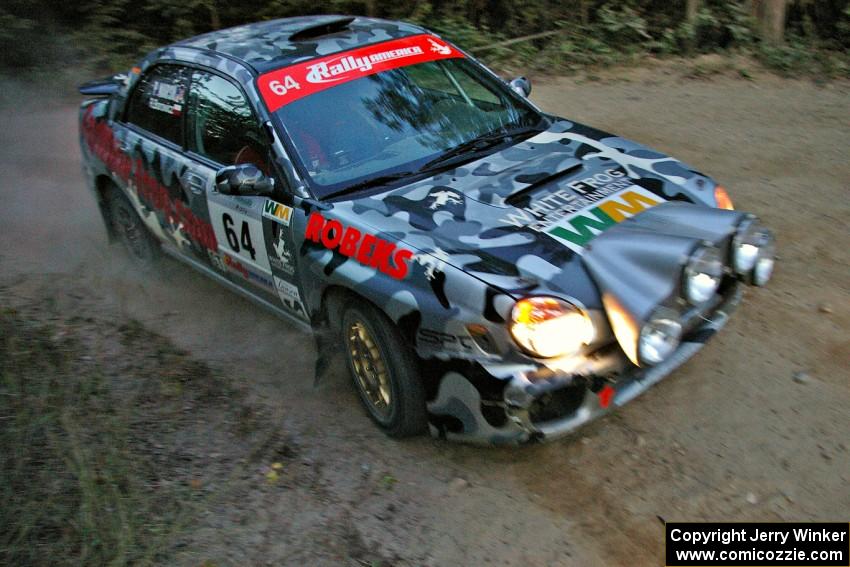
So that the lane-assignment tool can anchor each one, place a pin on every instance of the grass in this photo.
(81, 478)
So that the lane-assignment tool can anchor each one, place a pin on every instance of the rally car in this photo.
(492, 272)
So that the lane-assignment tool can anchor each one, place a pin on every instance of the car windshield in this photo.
(401, 122)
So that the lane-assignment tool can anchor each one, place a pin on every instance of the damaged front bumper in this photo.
(599, 397)
(548, 405)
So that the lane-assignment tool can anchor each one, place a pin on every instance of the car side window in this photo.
(157, 103)
(222, 126)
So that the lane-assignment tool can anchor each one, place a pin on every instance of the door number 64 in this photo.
(234, 241)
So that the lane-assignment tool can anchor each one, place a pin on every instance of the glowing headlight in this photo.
(764, 264)
(702, 274)
(753, 252)
(659, 338)
(547, 327)
(722, 198)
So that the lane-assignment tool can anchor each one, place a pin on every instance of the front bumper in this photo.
(611, 381)
(621, 391)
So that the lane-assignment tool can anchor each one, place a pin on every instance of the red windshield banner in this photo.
(282, 86)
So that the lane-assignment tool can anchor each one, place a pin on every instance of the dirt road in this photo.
(730, 437)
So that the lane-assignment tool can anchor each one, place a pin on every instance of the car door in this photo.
(153, 137)
(254, 239)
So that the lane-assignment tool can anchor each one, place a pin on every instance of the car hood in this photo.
(524, 219)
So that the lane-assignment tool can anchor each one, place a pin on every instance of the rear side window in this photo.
(158, 101)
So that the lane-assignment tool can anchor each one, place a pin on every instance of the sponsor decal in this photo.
(462, 346)
(289, 296)
(287, 290)
(283, 261)
(576, 230)
(544, 211)
(445, 341)
(101, 141)
(277, 212)
(594, 204)
(289, 84)
(367, 249)
(174, 109)
(439, 47)
(168, 91)
(238, 267)
(235, 266)
(167, 97)
(241, 209)
(597, 181)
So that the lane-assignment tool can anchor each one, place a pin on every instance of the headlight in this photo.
(753, 251)
(659, 338)
(702, 274)
(722, 199)
(547, 327)
(764, 264)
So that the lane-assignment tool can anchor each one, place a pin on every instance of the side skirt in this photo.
(301, 325)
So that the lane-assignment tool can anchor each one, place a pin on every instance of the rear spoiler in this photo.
(103, 87)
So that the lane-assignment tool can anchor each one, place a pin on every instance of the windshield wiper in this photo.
(460, 153)
(473, 147)
(373, 182)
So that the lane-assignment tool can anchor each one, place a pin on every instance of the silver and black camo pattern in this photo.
(470, 231)
(267, 45)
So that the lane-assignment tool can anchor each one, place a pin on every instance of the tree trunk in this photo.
(691, 10)
(215, 20)
(771, 19)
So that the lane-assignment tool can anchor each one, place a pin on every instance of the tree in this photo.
(770, 15)
(691, 10)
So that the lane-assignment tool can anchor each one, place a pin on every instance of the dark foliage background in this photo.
(110, 34)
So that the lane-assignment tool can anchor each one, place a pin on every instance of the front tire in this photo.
(384, 371)
(131, 231)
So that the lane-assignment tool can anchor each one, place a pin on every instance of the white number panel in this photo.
(239, 235)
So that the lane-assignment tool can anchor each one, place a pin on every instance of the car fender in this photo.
(433, 303)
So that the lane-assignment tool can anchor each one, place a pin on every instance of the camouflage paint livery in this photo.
(473, 240)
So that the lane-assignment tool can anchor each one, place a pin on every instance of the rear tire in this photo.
(384, 371)
(131, 231)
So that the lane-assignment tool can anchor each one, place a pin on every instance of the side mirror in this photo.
(243, 179)
(521, 86)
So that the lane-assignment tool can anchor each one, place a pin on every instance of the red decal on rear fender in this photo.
(282, 86)
(102, 143)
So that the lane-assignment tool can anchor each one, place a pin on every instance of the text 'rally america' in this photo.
(288, 84)
(367, 249)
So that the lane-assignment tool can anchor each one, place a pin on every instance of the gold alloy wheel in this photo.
(369, 368)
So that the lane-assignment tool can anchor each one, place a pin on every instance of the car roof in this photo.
(273, 44)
